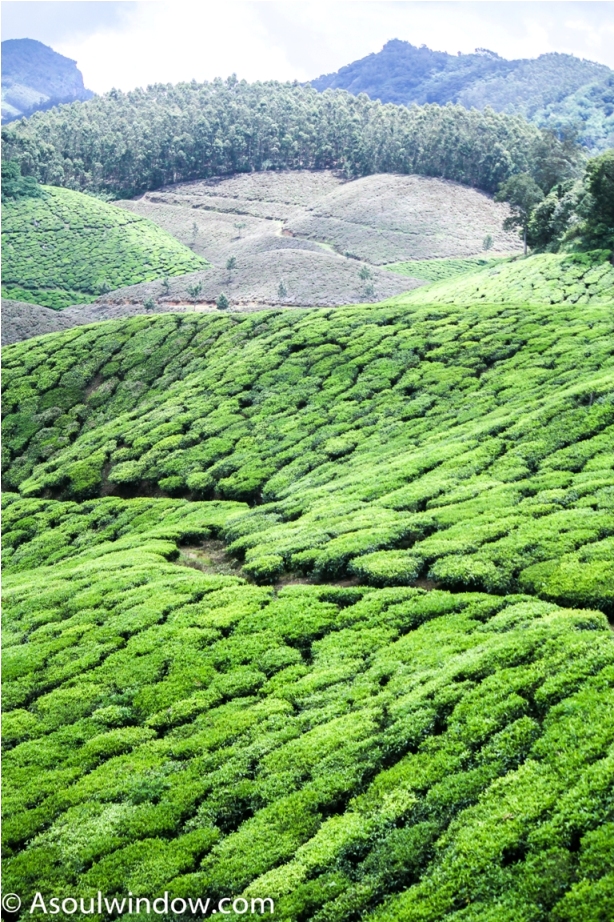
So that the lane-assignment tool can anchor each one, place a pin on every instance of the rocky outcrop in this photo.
(36, 77)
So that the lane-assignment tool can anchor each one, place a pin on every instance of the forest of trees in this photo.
(556, 91)
(122, 144)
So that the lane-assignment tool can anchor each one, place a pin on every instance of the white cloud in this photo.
(165, 41)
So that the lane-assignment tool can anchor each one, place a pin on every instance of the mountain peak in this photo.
(36, 77)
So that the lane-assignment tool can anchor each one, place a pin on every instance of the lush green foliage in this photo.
(578, 214)
(14, 185)
(523, 195)
(127, 143)
(67, 248)
(476, 439)
(558, 91)
(435, 270)
(572, 278)
(349, 752)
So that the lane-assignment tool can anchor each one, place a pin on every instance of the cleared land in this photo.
(67, 248)
(549, 278)
(420, 725)
(386, 218)
(379, 219)
(257, 217)
(21, 320)
(284, 277)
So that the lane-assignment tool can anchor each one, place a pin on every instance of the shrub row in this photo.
(350, 752)
(465, 445)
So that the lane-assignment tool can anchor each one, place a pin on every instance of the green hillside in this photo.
(346, 752)
(548, 278)
(436, 270)
(401, 707)
(67, 248)
(230, 126)
(556, 91)
(467, 445)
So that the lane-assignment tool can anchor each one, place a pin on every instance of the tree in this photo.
(222, 303)
(600, 185)
(281, 291)
(166, 286)
(231, 263)
(488, 242)
(195, 289)
(523, 195)
(364, 274)
(14, 185)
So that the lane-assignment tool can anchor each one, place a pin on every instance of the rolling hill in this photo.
(311, 606)
(66, 248)
(322, 238)
(363, 431)
(556, 91)
(546, 278)
(35, 78)
(378, 219)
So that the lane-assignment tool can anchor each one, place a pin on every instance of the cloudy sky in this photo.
(128, 44)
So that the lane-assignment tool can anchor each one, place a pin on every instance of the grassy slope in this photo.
(65, 248)
(436, 270)
(350, 751)
(572, 278)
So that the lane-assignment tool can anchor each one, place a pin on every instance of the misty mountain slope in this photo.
(553, 90)
(36, 77)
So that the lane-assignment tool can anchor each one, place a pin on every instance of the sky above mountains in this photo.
(129, 44)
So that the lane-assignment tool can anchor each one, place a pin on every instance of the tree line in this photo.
(123, 144)
(574, 214)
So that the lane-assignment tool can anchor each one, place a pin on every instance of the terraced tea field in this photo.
(67, 248)
(395, 443)
(436, 270)
(391, 698)
(548, 278)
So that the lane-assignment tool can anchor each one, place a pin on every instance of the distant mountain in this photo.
(554, 90)
(36, 77)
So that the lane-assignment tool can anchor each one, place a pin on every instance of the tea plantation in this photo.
(402, 707)
(547, 278)
(470, 446)
(68, 248)
(349, 752)
(435, 270)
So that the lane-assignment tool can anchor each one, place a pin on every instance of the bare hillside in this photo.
(284, 277)
(23, 321)
(378, 219)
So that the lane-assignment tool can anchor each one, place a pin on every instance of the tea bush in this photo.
(66, 248)
(547, 278)
(347, 751)
(436, 270)
(471, 446)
